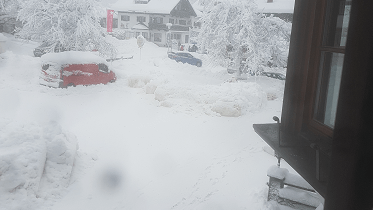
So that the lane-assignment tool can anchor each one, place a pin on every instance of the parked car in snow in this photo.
(46, 48)
(274, 75)
(185, 58)
(73, 68)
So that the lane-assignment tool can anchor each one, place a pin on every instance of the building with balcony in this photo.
(159, 21)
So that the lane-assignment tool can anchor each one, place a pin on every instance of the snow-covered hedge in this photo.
(35, 162)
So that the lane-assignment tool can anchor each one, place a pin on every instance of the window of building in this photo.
(326, 66)
(186, 38)
(158, 20)
(176, 36)
(145, 35)
(115, 22)
(141, 19)
(137, 34)
(125, 18)
(315, 69)
(182, 22)
(172, 21)
(157, 37)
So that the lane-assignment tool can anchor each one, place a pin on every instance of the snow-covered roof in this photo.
(277, 6)
(153, 7)
(3, 38)
(72, 57)
(197, 8)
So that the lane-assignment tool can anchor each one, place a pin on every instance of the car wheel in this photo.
(199, 64)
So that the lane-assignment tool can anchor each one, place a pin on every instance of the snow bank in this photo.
(301, 196)
(276, 172)
(227, 99)
(35, 162)
(138, 81)
(72, 57)
(320, 207)
(297, 181)
(3, 44)
(283, 173)
(3, 38)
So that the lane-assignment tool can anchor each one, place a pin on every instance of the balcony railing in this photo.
(162, 26)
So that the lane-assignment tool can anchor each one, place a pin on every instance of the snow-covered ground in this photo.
(165, 135)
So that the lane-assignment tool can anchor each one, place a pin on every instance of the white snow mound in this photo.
(72, 57)
(227, 99)
(35, 162)
(3, 38)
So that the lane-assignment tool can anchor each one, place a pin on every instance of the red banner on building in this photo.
(109, 20)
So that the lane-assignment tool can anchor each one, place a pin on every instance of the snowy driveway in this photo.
(140, 150)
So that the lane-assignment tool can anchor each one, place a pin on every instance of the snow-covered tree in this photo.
(203, 2)
(235, 29)
(71, 24)
(8, 9)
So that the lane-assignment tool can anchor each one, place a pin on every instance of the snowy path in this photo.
(135, 152)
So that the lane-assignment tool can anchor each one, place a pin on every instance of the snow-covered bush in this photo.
(73, 24)
(235, 29)
(118, 33)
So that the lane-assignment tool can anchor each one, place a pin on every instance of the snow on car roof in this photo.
(154, 6)
(72, 57)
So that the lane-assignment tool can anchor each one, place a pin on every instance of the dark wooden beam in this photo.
(299, 54)
(350, 183)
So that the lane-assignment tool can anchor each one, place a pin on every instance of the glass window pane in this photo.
(336, 26)
(328, 87)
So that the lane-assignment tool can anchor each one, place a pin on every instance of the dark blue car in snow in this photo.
(185, 58)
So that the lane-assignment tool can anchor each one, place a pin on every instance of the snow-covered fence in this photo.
(291, 190)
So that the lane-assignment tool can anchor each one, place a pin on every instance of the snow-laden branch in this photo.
(249, 34)
(71, 24)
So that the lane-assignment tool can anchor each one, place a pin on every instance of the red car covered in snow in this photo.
(73, 68)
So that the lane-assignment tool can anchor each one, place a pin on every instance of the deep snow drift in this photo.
(165, 135)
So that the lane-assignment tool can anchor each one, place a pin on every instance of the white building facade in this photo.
(159, 21)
